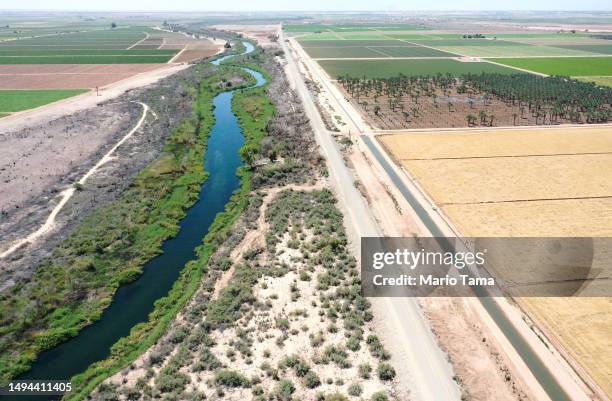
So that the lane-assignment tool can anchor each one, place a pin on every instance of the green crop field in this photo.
(352, 43)
(349, 27)
(568, 66)
(599, 49)
(375, 52)
(391, 68)
(24, 52)
(80, 59)
(18, 100)
(99, 39)
(512, 51)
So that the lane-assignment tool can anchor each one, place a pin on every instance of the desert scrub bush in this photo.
(207, 361)
(282, 323)
(376, 347)
(364, 370)
(317, 339)
(170, 380)
(337, 355)
(231, 378)
(304, 276)
(385, 371)
(312, 380)
(284, 390)
(178, 334)
(336, 397)
(379, 396)
(355, 389)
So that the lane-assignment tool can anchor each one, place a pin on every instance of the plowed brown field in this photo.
(68, 76)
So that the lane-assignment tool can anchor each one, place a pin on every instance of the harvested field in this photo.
(568, 177)
(67, 76)
(392, 68)
(196, 50)
(577, 201)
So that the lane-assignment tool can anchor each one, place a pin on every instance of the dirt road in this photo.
(424, 370)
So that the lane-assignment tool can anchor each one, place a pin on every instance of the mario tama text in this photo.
(443, 266)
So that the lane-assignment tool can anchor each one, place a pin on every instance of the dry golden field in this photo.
(527, 183)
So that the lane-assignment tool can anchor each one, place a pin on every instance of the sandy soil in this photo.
(68, 76)
(31, 161)
(580, 327)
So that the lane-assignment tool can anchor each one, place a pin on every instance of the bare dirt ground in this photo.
(580, 328)
(68, 76)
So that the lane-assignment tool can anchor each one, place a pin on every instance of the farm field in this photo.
(86, 59)
(91, 55)
(545, 202)
(497, 49)
(374, 52)
(17, 100)
(392, 68)
(571, 66)
(67, 76)
(350, 27)
(603, 81)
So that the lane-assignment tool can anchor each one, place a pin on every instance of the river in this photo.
(133, 302)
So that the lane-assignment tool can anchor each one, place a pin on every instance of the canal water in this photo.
(133, 302)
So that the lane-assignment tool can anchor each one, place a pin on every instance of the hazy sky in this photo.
(305, 5)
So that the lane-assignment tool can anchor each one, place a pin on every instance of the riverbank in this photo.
(108, 249)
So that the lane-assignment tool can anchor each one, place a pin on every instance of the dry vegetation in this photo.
(570, 208)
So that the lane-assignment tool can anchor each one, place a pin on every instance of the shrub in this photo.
(284, 390)
(208, 361)
(301, 369)
(365, 370)
(312, 380)
(385, 371)
(379, 396)
(355, 389)
(336, 397)
(170, 380)
(231, 378)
